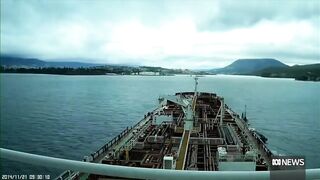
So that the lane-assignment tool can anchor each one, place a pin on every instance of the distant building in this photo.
(149, 73)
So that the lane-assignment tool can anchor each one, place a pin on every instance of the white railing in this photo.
(139, 173)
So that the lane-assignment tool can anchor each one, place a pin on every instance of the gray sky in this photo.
(174, 34)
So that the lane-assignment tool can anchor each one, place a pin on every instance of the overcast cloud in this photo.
(175, 34)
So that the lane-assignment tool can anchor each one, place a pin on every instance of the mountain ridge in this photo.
(248, 66)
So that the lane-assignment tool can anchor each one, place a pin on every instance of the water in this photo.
(72, 116)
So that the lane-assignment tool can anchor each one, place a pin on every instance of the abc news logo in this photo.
(290, 161)
(288, 167)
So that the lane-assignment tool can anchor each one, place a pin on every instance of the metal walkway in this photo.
(183, 150)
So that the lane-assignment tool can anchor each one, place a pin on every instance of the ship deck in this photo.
(219, 139)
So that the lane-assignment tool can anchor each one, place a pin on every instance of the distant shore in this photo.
(273, 73)
(100, 70)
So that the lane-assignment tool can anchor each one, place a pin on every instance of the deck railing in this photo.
(140, 173)
(68, 174)
(107, 146)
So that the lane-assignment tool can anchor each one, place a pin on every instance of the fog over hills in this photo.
(11, 61)
(171, 34)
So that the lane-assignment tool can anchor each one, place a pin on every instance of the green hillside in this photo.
(309, 72)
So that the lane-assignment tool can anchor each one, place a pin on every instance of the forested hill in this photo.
(309, 72)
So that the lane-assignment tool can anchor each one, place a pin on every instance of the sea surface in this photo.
(72, 116)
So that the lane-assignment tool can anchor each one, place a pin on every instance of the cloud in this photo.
(181, 34)
(249, 12)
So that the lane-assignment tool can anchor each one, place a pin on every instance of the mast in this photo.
(245, 114)
(196, 85)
